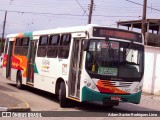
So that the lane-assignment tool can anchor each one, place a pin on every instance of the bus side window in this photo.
(53, 46)
(17, 48)
(24, 47)
(42, 47)
(64, 46)
(21, 46)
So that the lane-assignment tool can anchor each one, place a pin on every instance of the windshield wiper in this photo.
(109, 48)
(129, 47)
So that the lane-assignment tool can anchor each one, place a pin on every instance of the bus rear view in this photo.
(114, 66)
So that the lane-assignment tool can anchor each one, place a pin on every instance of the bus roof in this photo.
(64, 30)
(12, 35)
(56, 30)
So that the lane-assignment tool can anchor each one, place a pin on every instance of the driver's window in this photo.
(92, 46)
(132, 56)
(122, 54)
(129, 56)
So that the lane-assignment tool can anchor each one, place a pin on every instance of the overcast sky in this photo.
(24, 15)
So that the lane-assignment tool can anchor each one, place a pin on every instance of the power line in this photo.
(134, 2)
(119, 9)
(39, 13)
(56, 7)
(115, 11)
(22, 12)
(81, 7)
(39, 5)
(43, 3)
(142, 5)
(114, 16)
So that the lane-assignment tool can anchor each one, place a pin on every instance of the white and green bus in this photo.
(83, 63)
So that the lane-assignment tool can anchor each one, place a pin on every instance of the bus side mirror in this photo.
(85, 44)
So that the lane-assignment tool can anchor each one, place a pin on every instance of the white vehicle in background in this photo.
(1, 60)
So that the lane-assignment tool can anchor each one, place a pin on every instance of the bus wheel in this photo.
(19, 80)
(62, 95)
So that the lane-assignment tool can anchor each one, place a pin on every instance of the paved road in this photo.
(43, 101)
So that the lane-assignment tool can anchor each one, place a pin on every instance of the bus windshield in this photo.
(113, 58)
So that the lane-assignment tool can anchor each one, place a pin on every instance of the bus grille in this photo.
(116, 83)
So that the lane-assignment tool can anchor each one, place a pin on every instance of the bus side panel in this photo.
(4, 72)
(13, 74)
(4, 65)
(45, 78)
(48, 71)
(19, 63)
(24, 80)
(44, 83)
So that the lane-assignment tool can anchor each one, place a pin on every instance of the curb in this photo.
(26, 108)
(155, 97)
(3, 109)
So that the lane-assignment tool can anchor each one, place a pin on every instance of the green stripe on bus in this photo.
(35, 69)
(90, 95)
(29, 34)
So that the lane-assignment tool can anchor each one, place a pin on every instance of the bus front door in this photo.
(31, 62)
(9, 60)
(75, 71)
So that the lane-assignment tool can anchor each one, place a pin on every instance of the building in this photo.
(152, 34)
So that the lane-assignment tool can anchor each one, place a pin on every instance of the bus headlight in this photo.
(85, 82)
(88, 84)
(140, 87)
(136, 90)
(93, 87)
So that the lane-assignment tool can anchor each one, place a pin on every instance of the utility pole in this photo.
(4, 25)
(144, 18)
(90, 12)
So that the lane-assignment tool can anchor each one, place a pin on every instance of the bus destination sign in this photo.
(115, 33)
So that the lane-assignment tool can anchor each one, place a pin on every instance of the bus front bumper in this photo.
(90, 95)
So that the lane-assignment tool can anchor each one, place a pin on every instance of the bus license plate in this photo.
(115, 98)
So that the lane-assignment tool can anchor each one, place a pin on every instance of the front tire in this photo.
(62, 95)
(19, 80)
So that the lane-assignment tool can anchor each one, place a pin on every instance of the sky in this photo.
(32, 15)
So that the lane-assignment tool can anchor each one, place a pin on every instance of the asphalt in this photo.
(11, 103)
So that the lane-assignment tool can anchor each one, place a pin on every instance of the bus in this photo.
(82, 63)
